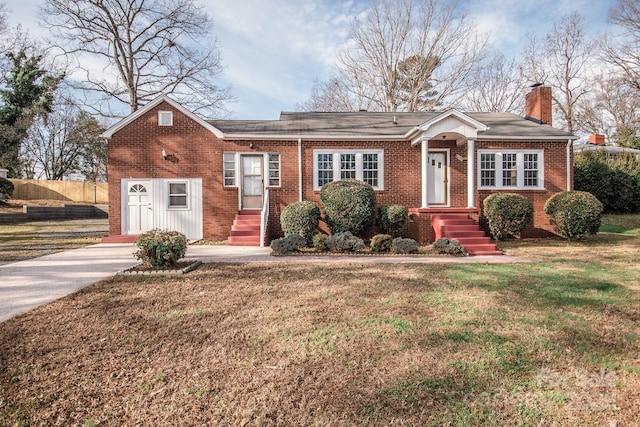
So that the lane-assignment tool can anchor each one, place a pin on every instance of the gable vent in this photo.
(165, 118)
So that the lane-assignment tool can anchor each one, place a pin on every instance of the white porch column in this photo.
(425, 160)
(471, 171)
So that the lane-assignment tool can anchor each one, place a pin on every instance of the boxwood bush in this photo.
(380, 243)
(392, 218)
(349, 205)
(301, 218)
(6, 189)
(507, 214)
(158, 248)
(574, 214)
(320, 242)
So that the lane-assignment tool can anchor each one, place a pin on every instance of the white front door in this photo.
(252, 182)
(437, 178)
(139, 207)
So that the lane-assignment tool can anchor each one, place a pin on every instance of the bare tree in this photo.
(48, 152)
(623, 51)
(562, 61)
(410, 55)
(330, 95)
(496, 86)
(143, 48)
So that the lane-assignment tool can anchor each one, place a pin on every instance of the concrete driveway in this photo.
(27, 284)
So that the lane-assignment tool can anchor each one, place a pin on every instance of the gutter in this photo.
(300, 169)
(569, 186)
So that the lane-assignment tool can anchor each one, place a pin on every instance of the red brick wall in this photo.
(555, 180)
(135, 152)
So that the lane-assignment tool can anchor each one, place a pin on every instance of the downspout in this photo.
(300, 169)
(569, 186)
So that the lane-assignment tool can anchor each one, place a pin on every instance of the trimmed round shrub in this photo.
(345, 242)
(380, 243)
(320, 242)
(574, 214)
(301, 218)
(349, 205)
(158, 248)
(400, 245)
(508, 214)
(392, 218)
(288, 244)
(449, 247)
(6, 189)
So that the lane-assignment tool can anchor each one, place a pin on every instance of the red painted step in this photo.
(245, 230)
(466, 231)
(120, 238)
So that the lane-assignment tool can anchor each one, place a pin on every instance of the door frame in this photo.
(243, 156)
(125, 225)
(447, 182)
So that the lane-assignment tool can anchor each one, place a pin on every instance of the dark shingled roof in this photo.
(371, 124)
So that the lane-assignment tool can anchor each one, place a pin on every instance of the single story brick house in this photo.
(170, 169)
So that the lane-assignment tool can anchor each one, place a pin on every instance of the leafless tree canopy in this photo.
(134, 50)
(562, 61)
(496, 86)
(623, 51)
(408, 55)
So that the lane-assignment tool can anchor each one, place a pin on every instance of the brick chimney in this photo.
(538, 105)
(596, 139)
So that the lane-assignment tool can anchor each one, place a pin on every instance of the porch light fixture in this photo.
(164, 154)
(251, 145)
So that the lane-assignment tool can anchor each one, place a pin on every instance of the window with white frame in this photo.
(512, 169)
(364, 165)
(229, 169)
(177, 194)
(274, 169)
(165, 118)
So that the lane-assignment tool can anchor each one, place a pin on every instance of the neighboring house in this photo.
(597, 142)
(171, 169)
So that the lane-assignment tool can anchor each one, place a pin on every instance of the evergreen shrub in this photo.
(349, 205)
(574, 214)
(158, 248)
(508, 214)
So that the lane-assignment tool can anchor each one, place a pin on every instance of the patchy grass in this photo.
(548, 342)
(33, 239)
(621, 224)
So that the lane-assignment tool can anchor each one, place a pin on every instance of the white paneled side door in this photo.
(139, 207)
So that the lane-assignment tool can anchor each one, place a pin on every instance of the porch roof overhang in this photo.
(457, 125)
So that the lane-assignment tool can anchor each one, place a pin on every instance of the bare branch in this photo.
(145, 47)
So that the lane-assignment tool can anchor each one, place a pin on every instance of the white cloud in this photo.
(273, 50)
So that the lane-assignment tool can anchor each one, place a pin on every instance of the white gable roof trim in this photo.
(164, 98)
(451, 121)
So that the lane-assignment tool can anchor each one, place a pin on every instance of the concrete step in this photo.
(240, 233)
(462, 234)
(243, 241)
(473, 240)
(459, 228)
(120, 238)
(245, 230)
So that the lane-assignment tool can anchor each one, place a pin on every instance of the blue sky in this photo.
(273, 50)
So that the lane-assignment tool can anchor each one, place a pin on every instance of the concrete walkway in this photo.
(27, 284)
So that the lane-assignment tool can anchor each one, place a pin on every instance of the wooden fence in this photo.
(72, 191)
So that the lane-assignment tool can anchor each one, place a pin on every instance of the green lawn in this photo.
(552, 340)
